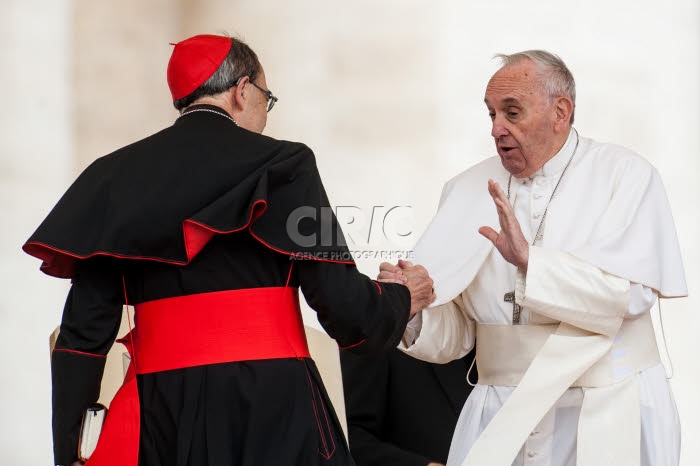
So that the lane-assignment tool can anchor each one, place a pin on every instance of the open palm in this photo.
(510, 241)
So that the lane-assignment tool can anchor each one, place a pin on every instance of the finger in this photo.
(501, 207)
(392, 276)
(499, 192)
(388, 280)
(503, 217)
(502, 203)
(505, 211)
(389, 267)
(506, 217)
(502, 200)
(492, 189)
(489, 233)
(405, 264)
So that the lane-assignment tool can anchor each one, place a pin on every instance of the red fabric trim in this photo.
(118, 444)
(328, 454)
(298, 255)
(312, 386)
(352, 346)
(223, 326)
(313, 404)
(82, 353)
(128, 319)
(60, 263)
(197, 235)
(289, 276)
(379, 287)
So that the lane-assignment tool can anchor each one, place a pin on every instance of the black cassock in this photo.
(132, 224)
(402, 411)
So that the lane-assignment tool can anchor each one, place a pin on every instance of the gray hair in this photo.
(240, 61)
(555, 79)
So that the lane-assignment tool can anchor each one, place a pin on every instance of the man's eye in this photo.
(492, 115)
(513, 114)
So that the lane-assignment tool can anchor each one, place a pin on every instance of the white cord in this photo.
(469, 372)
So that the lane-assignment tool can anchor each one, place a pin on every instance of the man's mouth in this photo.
(506, 149)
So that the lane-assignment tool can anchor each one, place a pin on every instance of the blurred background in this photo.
(388, 94)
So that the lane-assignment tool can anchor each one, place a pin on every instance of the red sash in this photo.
(194, 330)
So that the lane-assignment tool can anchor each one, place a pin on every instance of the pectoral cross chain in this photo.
(510, 298)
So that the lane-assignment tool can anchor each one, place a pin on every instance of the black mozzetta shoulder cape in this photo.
(164, 197)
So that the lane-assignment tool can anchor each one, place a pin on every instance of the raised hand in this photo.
(510, 242)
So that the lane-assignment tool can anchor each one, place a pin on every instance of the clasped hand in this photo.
(510, 242)
(415, 277)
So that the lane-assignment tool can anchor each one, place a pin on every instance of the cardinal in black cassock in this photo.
(198, 226)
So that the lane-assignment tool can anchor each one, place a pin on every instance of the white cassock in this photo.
(580, 381)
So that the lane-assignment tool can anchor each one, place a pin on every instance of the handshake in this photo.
(415, 277)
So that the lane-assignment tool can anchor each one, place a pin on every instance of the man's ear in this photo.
(562, 109)
(239, 94)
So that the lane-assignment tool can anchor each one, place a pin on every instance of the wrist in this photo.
(525, 259)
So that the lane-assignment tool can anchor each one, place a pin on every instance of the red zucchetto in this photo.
(195, 60)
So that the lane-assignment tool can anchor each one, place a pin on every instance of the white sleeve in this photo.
(412, 330)
(440, 334)
(565, 288)
(642, 299)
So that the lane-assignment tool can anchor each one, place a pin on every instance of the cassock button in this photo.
(531, 454)
(538, 215)
(537, 195)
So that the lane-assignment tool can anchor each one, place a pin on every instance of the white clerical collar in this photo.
(556, 164)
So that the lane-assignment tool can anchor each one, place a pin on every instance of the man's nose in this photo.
(498, 128)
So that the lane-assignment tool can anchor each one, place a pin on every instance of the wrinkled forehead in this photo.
(517, 82)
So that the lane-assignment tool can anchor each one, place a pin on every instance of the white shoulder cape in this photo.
(611, 210)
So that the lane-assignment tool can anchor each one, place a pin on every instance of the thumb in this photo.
(405, 264)
(489, 233)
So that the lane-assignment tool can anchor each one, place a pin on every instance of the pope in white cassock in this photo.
(555, 290)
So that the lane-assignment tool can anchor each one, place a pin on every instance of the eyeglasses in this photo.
(271, 99)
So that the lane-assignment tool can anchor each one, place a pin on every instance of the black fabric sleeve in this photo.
(362, 315)
(90, 323)
(366, 391)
